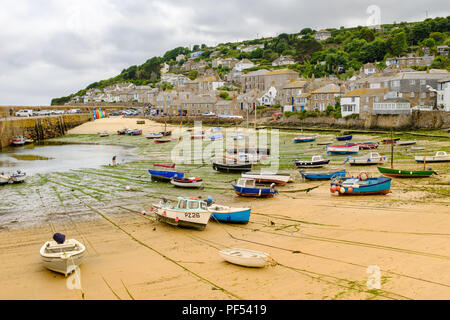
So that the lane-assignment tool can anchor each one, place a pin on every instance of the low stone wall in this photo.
(213, 121)
(417, 120)
(40, 128)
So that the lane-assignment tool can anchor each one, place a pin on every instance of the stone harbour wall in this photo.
(40, 128)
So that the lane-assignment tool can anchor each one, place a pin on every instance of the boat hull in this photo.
(254, 260)
(374, 186)
(254, 192)
(278, 179)
(239, 216)
(165, 176)
(232, 168)
(187, 184)
(322, 175)
(184, 219)
(312, 164)
(405, 173)
(344, 138)
(301, 140)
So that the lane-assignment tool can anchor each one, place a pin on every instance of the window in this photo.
(353, 99)
(395, 83)
(377, 99)
(412, 82)
(423, 82)
(411, 94)
(423, 94)
(431, 94)
(183, 204)
(367, 99)
(193, 205)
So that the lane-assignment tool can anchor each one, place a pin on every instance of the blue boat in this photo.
(165, 176)
(304, 139)
(216, 137)
(248, 188)
(323, 175)
(363, 185)
(344, 138)
(229, 214)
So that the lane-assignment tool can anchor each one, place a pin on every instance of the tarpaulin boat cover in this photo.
(59, 238)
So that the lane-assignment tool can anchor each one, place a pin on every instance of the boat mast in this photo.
(392, 151)
(425, 158)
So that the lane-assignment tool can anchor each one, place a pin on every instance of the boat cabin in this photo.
(190, 204)
(317, 158)
(246, 183)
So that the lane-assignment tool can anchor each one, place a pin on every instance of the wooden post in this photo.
(392, 151)
(425, 158)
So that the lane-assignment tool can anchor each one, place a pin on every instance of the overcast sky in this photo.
(52, 48)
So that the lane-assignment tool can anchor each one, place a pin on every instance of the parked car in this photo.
(75, 111)
(56, 112)
(24, 113)
(43, 113)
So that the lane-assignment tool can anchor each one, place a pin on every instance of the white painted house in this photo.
(243, 64)
(443, 94)
(350, 105)
(268, 99)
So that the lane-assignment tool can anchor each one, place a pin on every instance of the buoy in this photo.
(128, 188)
(338, 188)
(152, 209)
(342, 190)
(333, 189)
(350, 190)
(176, 220)
(143, 213)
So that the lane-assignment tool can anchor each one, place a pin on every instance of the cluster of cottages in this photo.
(396, 90)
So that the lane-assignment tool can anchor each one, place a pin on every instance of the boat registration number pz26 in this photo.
(192, 215)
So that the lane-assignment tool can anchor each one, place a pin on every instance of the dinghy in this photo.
(151, 136)
(441, 156)
(171, 166)
(248, 188)
(163, 141)
(103, 134)
(123, 131)
(304, 139)
(135, 132)
(189, 213)
(339, 150)
(232, 167)
(165, 176)
(229, 214)
(372, 158)
(277, 178)
(367, 145)
(187, 182)
(18, 177)
(4, 179)
(344, 138)
(18, 140)
(322, 175)
(406, 143)
(316, 162)
(62, 256)
(246, 258)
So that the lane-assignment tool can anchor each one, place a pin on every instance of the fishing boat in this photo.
(232, 167)
(326, 143)
(372, 158)
(103, 134)
(197, 137)
(123, 131)
(165, 176)
(18, 177)
(390, 141)
(187, 182)
(340, 150)
(135, 132)
(417, 148)
(304, 139)
(171, 166)
(440, 156)
(188, 213)
(18, 140)
(406, 173)
(159, 141)
(61, 255)
(248, 188)
(166, 133)
(316, 162)
(322, 175)
(245, 258)
(406, 143)
(277, 178)
(216, 137)
(344, 138)
(363, 185)
(229, 214)
(367, 145)
(260, 151)
(153, 135)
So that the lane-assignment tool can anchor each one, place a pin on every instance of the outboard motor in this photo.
(59, 238)
(209, 200)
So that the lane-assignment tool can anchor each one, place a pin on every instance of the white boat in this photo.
(18, 177)
(103, 134)
(62, 258)
(189, 213)
(406, 143)
(246, 258)
(372, 158)
(278, 178)
(187, 182)
(417, 148)
(4, 178)
(441, 156)
(337, 150)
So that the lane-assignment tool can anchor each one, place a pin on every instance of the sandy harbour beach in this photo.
(321, 244)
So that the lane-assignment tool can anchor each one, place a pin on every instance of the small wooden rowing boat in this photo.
(406, 143)
(315, 162)
(62, 256)
(245, 258)
(159, 141)
(188, 213)
(232, 167)
(187, 182)
(339, 150)
(248, 188)
(304, 139)
(322, 175)
(417, 148)
(166, 133)
(277, 178)
(229, 214)
(4, 178)
(344, 138)
(165, 176)
(103, 134)
(363, 185)
(134, 132)
(151, 136)
(441, 156)
(367, 145)
(390, 141)
(171, 166)
(18, 177)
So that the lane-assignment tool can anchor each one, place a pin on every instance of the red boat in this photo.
(368, 145)
(163, 141)
(346, 145)
(165, 165)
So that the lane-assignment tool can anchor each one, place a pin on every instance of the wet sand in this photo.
(321, 244)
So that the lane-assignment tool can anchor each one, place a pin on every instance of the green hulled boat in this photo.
(406, 173)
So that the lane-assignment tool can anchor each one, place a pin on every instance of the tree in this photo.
(257, 54)
(398, 44)
(429, 42)
(193, 74)
(305, 48)
(306, 31)
(366, 34)
(420, 32)
(373, 51)
(437, 36)
(196, 48)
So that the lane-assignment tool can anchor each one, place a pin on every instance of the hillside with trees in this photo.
(341, 55)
